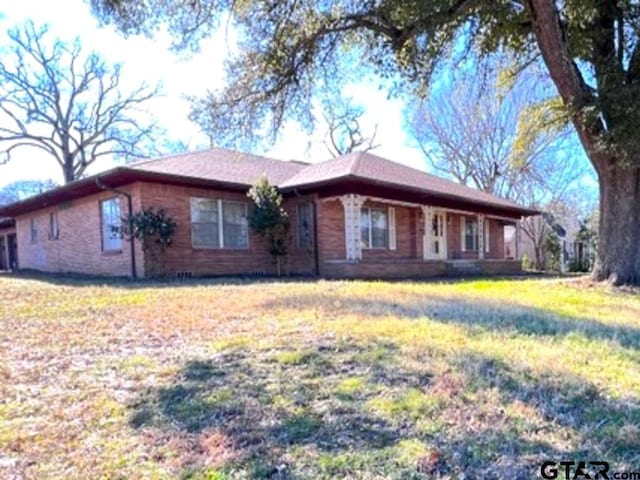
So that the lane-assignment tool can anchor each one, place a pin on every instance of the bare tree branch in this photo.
(344, 133)
(70, 105)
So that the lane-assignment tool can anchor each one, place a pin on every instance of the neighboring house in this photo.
(358, 215)
(8, 244)
(577, 252)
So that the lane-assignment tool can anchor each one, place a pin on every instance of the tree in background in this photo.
(344, 130)
(501, 137)
(269, 219)
(67, 104)
(22, 189)
(590, 50)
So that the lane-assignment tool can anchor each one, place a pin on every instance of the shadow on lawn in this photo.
(348, 409)
(475, 313)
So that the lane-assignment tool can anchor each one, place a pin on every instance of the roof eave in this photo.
(81, 188)
(523, 211)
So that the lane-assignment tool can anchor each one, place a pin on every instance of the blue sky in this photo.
(149, 60)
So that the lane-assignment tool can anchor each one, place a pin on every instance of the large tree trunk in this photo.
(68, 172)
(618, 259)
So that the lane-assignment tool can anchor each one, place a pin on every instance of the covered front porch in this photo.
(385, 238)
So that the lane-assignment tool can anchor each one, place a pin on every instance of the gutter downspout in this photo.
(102, 186)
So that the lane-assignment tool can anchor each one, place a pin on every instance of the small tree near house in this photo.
(269, 219)
(154, 229)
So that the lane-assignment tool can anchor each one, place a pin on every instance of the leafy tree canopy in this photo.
(287, 47)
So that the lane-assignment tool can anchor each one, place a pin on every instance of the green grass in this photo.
(266, 379)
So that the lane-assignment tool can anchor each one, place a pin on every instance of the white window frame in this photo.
(369, 227)
(221, 204)
(463, 234)
(110, 241)
(220, 230)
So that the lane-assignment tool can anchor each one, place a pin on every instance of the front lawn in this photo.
(319, 379)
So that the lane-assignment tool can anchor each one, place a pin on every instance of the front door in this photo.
(436, 240)
(13, 251)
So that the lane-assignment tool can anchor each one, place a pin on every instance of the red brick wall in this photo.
(79, 245)
(384, 269)
(415, 269)
(330, 217)
(182, 257)
(496, 239)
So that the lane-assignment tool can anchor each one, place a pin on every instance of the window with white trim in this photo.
(111, 223)
(219, 223)
(470, 234)
(235, 227)
(374, 227)
(205, 225)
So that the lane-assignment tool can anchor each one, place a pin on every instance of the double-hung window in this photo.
(235, 228)
(219, 223)
(374, 228)
(111, 225)
(470, 234)
(205, 223)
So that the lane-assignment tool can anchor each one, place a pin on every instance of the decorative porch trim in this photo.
(352, 204)
(376, 199)
(426, 238)
(481, 237)
(421, 205)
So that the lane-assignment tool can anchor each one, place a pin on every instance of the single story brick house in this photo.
(358, 215)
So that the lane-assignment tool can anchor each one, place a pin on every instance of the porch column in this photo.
(481, 237)
(426, 239)
(352, 204)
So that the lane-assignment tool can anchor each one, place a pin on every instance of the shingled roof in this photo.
(222, 165)
(221, 168)
(369, 167)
